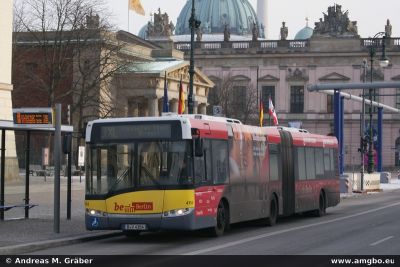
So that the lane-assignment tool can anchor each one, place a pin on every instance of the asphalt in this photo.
(19, 235)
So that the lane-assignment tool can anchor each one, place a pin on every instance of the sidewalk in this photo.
(18, 236)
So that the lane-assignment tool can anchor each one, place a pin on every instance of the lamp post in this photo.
(193, 24)
(362, 126)
(384, 62)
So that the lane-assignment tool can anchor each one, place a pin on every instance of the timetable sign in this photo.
(33, 117)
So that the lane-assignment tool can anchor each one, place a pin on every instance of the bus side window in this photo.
(199, 168)
(310, 163)
(220, 161)
(202, 168)
(207, 159)
(274, 164)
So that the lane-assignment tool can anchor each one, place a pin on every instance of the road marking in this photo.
(381, 241)
(250, 239)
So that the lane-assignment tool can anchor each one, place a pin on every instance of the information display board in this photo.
(42, 117)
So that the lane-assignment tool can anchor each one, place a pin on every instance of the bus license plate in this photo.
(137, 227)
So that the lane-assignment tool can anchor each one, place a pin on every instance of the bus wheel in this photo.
(219, 228)
(321, 211)
(273, 213)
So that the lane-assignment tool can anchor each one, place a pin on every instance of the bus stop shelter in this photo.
(28, 129)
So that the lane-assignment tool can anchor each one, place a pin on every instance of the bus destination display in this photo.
(135, 131)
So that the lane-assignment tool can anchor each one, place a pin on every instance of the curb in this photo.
(30, 247)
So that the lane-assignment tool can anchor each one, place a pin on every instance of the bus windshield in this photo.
(130, 166)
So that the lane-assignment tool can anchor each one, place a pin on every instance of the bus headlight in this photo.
(177, 212)
(92, 212)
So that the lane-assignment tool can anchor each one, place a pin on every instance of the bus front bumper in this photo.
(146, 222)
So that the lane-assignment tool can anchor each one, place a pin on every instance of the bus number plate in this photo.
(137, 227)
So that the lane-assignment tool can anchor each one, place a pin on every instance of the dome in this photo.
(143, 32)
(239, 15)
(304, 33)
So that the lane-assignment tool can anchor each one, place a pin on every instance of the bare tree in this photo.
(238, 99)
(72, 38)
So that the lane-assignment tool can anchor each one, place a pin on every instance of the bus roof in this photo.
(221, 128)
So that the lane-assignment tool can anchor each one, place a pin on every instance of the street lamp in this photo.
(193, 24)
(362, 130)
(383, 62)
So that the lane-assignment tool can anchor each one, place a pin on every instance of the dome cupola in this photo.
(239, 15)
(304, 33)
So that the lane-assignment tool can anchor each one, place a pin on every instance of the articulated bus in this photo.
(189, 172)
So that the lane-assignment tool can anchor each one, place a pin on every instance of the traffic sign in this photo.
(217, 110)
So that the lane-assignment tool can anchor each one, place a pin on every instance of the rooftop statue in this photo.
(284, 31)
(388, 29)
(161, 27)
(227, 33)
(254, 31)
(336, 23)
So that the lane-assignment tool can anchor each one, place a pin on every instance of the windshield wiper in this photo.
(120, 178)
(150, 175)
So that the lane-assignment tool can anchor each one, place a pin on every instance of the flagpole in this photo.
(269, 99)
(258, 99)
(128, 16)
(165, 100)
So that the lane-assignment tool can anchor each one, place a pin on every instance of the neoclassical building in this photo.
(329, 52)
(6, 86)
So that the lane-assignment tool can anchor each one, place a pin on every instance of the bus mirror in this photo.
(198, 147)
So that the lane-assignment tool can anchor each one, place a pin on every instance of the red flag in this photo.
(181, 103)
(272, 113)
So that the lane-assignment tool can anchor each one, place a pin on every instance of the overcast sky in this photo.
(371, 15)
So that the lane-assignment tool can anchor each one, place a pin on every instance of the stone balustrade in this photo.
(297, 45)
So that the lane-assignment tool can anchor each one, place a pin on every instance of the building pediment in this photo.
(183, 72)
(176, 70)
(240, 78)
(268, 78)
(396, 78)
(334, 76)
(214, 78)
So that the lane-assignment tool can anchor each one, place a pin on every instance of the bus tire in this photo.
(321, 211)
(273, 213)
(222, 219)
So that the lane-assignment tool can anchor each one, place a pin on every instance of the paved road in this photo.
(365, 225)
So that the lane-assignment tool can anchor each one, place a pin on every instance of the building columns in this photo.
(133, 109)
(202, 108)
(173, 105)
(152, 106)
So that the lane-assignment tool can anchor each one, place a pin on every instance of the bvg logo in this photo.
(133, 207)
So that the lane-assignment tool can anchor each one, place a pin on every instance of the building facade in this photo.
(6, 86)
(333, 52)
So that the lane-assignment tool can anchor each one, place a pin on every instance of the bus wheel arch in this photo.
(273, 211)
(227, 212)
(322, 203)
(222, 219)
